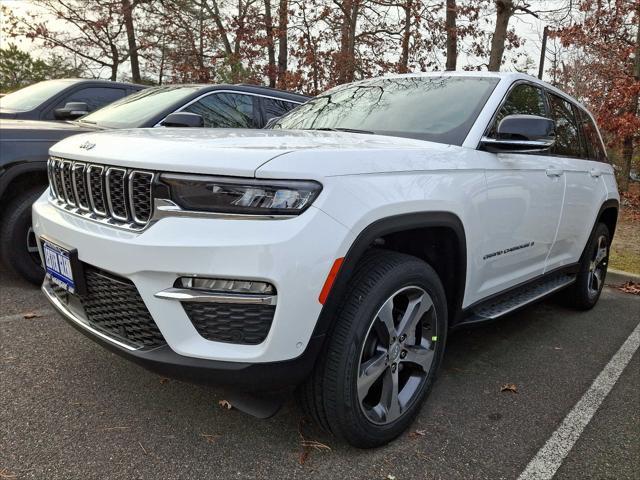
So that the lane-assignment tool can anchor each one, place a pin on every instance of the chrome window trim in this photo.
(74, 168)
(131, 202)
(197, 99)
(124, 192)
(95, 210)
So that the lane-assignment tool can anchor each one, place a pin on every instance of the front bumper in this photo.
(269, 376)
(294, 255)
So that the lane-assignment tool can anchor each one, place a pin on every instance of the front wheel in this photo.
(384, 352)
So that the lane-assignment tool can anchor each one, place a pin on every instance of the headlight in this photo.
(242, 196)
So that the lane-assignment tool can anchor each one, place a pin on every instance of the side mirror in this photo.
(521, 134)
(183, 119)
(71, 111)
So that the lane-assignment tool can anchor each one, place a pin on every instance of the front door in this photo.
(524, 202)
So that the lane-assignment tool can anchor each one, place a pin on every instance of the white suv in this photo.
(335, 251)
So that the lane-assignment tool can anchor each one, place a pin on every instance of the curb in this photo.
(618, 277)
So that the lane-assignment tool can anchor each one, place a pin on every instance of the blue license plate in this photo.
(57, 263)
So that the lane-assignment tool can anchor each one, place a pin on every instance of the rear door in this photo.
(580, 152)
(523, 205)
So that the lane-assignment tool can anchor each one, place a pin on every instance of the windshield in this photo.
(439, 109)
(137, 109)
(30, 97)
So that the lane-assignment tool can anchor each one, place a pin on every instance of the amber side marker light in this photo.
(328, 283)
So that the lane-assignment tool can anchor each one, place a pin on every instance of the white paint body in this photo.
(502, 200)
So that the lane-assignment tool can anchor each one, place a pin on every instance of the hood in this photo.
(36, 130)
(220, 151)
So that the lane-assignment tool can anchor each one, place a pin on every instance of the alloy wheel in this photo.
(598, 267)
(32, 246)
(397, 355)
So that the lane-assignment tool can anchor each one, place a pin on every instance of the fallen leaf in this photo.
(210, 438)
(4, 473)
(163, 380)
(391, 477)
(509, 387)
(630, 287)
(308, 445)
(418, 433)
(225, 404)
(30, 315)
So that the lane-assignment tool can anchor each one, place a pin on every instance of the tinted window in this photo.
(30, 97)
(139, 109)
(439, 109)
(594, 149)
(275, 108)
(225, 110)
(523, 99)
(567, 137)
(94, 97)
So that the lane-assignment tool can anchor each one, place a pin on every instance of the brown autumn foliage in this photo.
(311, 45)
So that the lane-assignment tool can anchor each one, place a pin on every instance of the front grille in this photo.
(113, 306)
(118, 196)
(231, 323)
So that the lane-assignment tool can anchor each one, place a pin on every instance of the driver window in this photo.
(524, 99)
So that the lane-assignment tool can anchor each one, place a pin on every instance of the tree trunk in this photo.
(452, 35)
(116, 62)
(127, 13)
(346, 64)
(627, 143)
(271, 53)
(283, 25)
(504, 11)
(403, 67)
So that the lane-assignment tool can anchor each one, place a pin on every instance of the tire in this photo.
(585, 292)
(338, 395)
(16, 238)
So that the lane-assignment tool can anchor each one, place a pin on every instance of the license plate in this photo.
(58, 264)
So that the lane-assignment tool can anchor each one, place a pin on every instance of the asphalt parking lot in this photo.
(71, 410)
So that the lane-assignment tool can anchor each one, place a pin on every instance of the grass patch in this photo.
(625, 250)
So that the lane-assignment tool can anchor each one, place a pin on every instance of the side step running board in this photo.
(520, 297)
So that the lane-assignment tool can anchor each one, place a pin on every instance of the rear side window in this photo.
(524, 99)
(225, 110)
(593, 145)
(275, 108)
(94, 97)
(567, 136)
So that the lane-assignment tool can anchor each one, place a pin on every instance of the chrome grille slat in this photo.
(116, 185)
(140, 196)
(95, 186)
(112, 195)
(67, 183)
(80, 186)
(57, 177)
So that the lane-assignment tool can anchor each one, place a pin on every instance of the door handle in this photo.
(554, 172)
(594, 172)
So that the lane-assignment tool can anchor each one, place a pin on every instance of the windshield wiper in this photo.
(341, 129)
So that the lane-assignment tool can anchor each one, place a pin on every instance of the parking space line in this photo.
(549, 458)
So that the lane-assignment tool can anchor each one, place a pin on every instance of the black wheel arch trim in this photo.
(380, 228)
(610, 204)
(11, 171)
